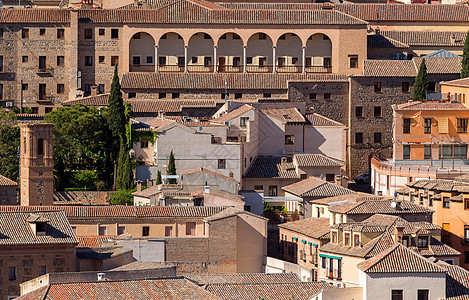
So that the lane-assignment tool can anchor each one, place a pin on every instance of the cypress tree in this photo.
(120, 166)
(117, 120)
(171, 168)
(127, 173)
(465, 58)
(158, 177)
(421, 83)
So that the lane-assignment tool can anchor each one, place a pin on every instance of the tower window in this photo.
(40, 147)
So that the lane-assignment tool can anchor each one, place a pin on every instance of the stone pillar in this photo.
(303, 59)
(185, 59)
(274, 60)
(156, 58)
(36, 163)
(244, 58)
(215, 59)
(73, 40)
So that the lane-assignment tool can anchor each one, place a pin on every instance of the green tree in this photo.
(82, 140)
(128, 127)
(465, 58)
(127, 173)
(120, 166)
(123, 197)
(158, 177)
(117, 120)
(171, 168)
(9, 145)
(421, 83)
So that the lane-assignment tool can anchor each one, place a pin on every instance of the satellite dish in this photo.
(393, 204)
(200, 128)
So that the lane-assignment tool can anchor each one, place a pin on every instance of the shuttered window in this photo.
(442, 125)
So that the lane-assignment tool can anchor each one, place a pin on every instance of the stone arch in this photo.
(318, 53)
(289, 54)
(171, 52)
(259, 53)
(200, 52)
(230, 52)
(142, 52)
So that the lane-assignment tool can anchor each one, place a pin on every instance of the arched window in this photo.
(40, 147)
(24, 145)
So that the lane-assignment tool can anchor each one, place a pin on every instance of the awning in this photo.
(315, 245)
(303, 241)
(329, 256)
(295, 239)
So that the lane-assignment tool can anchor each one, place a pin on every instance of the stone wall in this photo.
(82, 197)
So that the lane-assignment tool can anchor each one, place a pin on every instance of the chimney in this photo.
(149, 183)
(452, 38)
(139, 185)
(94, 90)
(377, 31)
(161, 115)
(283, 164)
(399, 233)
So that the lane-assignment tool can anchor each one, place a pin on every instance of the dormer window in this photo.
(41, 228)
(405, 240)
(334, 237)
(356, 240)
(38, 224)
(347, 239)
(422, 241)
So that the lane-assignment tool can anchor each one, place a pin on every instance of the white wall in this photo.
(330, 141)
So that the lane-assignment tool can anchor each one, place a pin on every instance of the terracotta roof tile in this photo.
(427, 38)
(142, 265)
(234, 113)
(248, 81)
(15, 229)
(7, 182)
(34, 15)
(243, 278)
(389, 68)
(273, 291)
(270, 167)
(381, 41)
(464, 82)
(440, 65)
(316, 228)
(379, 207)
(197, 170)
(285, 115)
(230, 212)
(315, 187)
(417, 105)
(457, 282)
(399, 259)
(315, 119)
(93, 241)
(316, 160)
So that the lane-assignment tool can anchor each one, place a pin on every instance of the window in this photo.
(181, 61)
(377, 137)
(175, 95)
(377, 111)
(222, 164)
(60, 88)
(405, 87)
(397, 295)
(446, 202)
(24, 58)
(356, 240)
(249, 60)
(114, 34)
(427, 125)
(406, 152)
(262, 36)
(289, 139)
(144, 144)
(207, 61)
(24, 86)
(60, 61)
(406, 126)
(446, 233)
(312, 96)
(422, 294)
(132, 95)
(427, 152)
(146, 231)
(327, 96)
(262, 61)
(466, 233)
(42, 270)
(267, 95)
(273, 190)
(238, 96)
(190, 228)
(334, 237)
(323, 263)
(101, 31)
(136, 60)
(25, 33)
(377, 87)
(194, 59)
(60, 33)
(42, 91)
(168, 231)
(225, 96)
(42, 31)
(466, 204)
(236, 61)
(100, 88)
(353, 61)
(358, 137)
(330, 177)
(1, 91)
(88, 33)
(114, 60)
(102, 230)
(303, 176)
(462, 125)
(1, 33)
(432, 87)
(422, 242)
(161, 95)
(88, 61)
(359, 111)
(466, 257)
(259, 188)
(12, 273)
(243, 121)
(120, 230)
(281, 61)
(101, 59)
(347, 239)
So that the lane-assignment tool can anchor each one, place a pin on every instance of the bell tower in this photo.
(36, 162)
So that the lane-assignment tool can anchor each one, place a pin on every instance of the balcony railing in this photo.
(230, 68)
(200, 68)
(142, 68)
(44, 70)
(289, 69)
(259, 69)
(318, 69)
(171, 68)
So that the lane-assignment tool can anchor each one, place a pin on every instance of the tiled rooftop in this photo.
(399, 259)
(409, 68)
(7, 182)
(270, 167)
(92, 241)
(457, 282)
(316, 228)
(141, 265)
(423, 106)
(15, 229)
(243, 278)
(273, 291)
(315, 187)
(464, 82)
(427, 38)
(316, 160)
(204, 170)
(370, 249)
(120, 211)
(379, 207)
(285, 115)
(381, 41)
(315, 119)
(234, 113)
(230, 212)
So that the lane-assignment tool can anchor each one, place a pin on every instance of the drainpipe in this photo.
(349, 133)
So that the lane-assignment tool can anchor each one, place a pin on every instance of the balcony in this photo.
(44, 70)
(230, 69)
(318, 69)
(200, 68)
(142, 68)
(171, 68)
